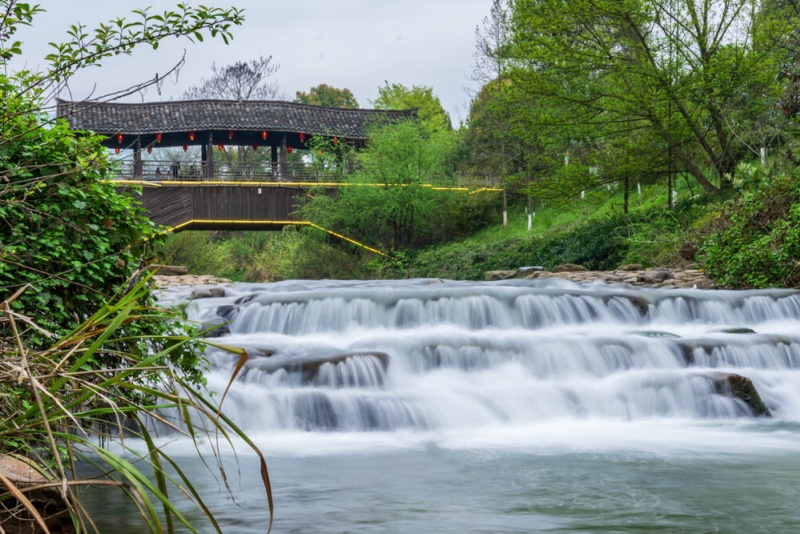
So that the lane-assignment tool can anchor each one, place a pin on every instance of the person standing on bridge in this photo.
(176, 168)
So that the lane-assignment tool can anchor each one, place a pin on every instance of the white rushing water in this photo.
(433, 356)
(436, 406)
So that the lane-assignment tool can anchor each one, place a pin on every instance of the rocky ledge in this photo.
(189, 280)
(631, 275)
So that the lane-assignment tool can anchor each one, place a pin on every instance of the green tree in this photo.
(326, 95)
(696, 76)
(429, 108)
(387, 203)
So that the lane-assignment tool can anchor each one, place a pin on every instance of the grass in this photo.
(592, 231)
(59, 409)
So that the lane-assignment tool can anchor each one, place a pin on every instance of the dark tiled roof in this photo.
(196, 115)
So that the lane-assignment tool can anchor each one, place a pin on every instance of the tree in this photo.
(695, 75)
(491, 57)
(325, 95)
(243, 80)
(389, 205)
(429, 108)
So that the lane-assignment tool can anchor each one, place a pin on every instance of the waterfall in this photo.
(424, 355)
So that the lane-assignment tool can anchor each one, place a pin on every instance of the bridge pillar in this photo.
(274, 161)
(207, 157)
(138, 167)
(284, 162)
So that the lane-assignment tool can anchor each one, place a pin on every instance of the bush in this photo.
(757, 243)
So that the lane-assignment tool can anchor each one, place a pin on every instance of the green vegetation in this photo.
(326, 95)
(85, 353)
(578, 107)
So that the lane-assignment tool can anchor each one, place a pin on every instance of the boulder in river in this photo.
(500, 275)
(742, 388)
(216, 327)
(207, 293)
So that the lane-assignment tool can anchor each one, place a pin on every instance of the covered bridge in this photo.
(210, 124)
(207, 194)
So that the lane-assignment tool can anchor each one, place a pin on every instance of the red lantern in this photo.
(158, 138)
(119, 138)
(230, 134)
(264, 135)
(185, 148)
(116, 149)
(255, 147)
(191, 136)
(335, 140)
(219, 147)
(289, 149)
(149, 149)
(302, 137)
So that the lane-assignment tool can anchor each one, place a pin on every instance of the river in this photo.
(520, 406)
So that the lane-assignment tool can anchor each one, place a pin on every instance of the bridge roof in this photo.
(150, 118)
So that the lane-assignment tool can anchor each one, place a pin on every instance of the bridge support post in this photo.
(138, 167)
(207, 158)
(284, 162)
(274, 162)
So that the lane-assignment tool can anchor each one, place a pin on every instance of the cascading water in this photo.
(523, 406)
(431, 355)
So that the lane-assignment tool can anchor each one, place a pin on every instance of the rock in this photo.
(207, 293)
(734, 331)
(742, 388)
(631, 267)
(688, 251)
(188, 280)
(659, 274)
(569, 268)
(656, 334)
(499, 275)
(215, 327)
(47, 501)
(170, 270)
(227, 311)
(244, 300)
(522, 272)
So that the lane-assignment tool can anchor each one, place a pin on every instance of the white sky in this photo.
(345, 43)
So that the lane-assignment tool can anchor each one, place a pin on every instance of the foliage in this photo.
(387, 202)
(264, 256)
(72, 358)
(56, 416)
(88, 48)
(757, 243)
(592, 231)
(597, 245)
(326, 95)
(692, 82)
(64, 229)
(429, 108)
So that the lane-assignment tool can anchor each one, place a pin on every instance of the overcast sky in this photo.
(356, 44)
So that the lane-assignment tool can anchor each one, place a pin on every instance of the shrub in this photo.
(757, 243)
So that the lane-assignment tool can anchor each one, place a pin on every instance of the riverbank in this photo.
(632, 275)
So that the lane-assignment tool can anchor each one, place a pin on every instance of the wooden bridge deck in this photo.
(215, 206)
(228, 205)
